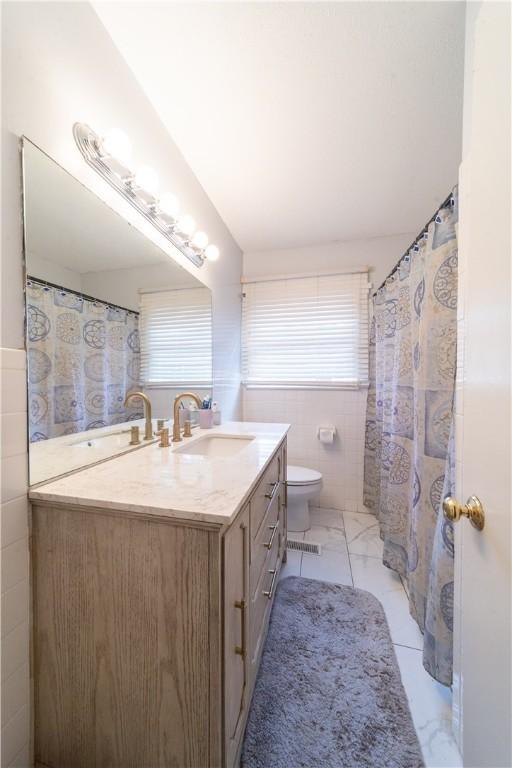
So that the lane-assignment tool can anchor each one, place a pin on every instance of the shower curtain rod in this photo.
(444, 204)
(80, 294)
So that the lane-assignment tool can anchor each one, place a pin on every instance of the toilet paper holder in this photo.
(326, 435)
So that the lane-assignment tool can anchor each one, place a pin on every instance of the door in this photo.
(482, 630)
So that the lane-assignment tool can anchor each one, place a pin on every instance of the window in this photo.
(306, 331)
(176, 338)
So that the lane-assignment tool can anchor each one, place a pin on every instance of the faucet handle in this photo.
(176, 432)
(164, 437)
(134, 435)
(187, 432)
(160, 423)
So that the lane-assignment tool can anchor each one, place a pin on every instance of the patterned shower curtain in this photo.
(83, 357)
(409, 429)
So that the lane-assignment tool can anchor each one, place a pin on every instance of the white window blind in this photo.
(176, 337)
(306, 331)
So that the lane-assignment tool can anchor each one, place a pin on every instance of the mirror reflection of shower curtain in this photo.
(83, 356)
(409, 440)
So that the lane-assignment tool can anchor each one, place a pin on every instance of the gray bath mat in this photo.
(329, 692)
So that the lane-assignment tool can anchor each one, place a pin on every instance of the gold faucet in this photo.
(176, 434)
(148, 432)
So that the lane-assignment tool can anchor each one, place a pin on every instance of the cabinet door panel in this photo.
(236, 598)
(121, 642)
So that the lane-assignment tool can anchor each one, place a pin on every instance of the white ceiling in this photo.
(305, 122)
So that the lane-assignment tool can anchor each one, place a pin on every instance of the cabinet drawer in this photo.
(265, 538)
(262, 595)
(264, 494)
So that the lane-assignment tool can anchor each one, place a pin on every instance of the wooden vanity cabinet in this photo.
(148, 631)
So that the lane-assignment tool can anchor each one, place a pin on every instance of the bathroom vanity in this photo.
(154, 575)
(153, 568)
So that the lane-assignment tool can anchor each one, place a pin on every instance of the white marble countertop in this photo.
(167, 482)
(61, 455)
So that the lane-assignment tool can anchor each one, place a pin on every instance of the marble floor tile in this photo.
(332, 565)
(403, 628)
(370, 574)
(362, 532)
(430, 704)
(331, 518)
(292, 565)
(329, 538)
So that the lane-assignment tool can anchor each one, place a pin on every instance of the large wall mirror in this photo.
(107, 313)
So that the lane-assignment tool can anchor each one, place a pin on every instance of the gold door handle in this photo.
(473, 510)
(240, 649)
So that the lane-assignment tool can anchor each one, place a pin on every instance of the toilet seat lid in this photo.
(302, 475)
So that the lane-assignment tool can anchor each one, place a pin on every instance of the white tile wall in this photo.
(341, 464)
(15, 592)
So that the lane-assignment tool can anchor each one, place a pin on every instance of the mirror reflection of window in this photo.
(89, 274)
(176, 338)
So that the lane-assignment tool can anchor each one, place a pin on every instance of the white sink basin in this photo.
(216, 446)
(119, 439)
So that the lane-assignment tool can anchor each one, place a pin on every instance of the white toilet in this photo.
(303, 485)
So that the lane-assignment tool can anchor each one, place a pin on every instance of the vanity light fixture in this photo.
(118, 146)
(211, 252)
(169, 206)
(146, 180)
(111, 157)
(200, 240)
(186, 225)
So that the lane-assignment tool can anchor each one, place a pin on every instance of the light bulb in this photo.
(200, 240)
(186, 225)
(147, 179)
(116, 144)
(212, 253)
(169, 205)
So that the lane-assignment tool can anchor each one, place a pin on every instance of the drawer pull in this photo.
(275, 486)
(240, 649)
(273, 528)
(268, 593)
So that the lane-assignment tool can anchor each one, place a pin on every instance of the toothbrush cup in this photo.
(206, 418)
